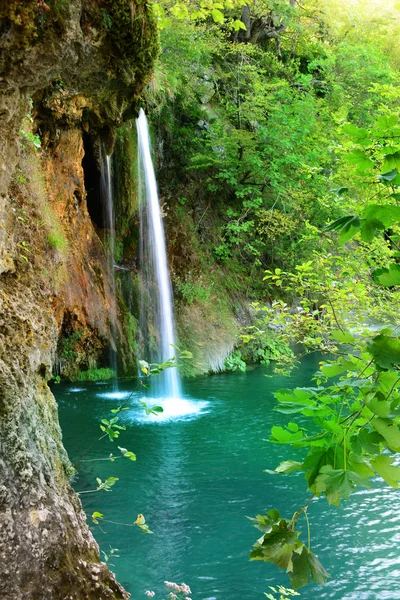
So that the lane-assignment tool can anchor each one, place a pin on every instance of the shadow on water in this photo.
(199, 473)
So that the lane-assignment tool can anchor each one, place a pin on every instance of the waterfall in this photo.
(157, 324)
(109, 226)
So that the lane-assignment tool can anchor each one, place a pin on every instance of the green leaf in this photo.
(388, 177)
(300, 395)
(314, 461)
(388, 277)
(383, 465)
(360, 159)
(340, 190)
(293, 427)
(386, 122)
(338, 483)
(379, 405)
(145, 528)
(389, 431)
(332, 370)
(217, 16)
(283, 436)
(347, 227)
(370, 228)
(288, 466)
(306, 566)
(385, 351)
(370, 441)
(278, 542)
(358, 134)
(391, 162)
(96, 516)
(388, 214)
(238, 25)
(343, 337)
(127, 453)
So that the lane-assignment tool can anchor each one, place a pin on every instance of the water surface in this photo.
(199, 473)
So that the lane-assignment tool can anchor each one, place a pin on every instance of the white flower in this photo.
(150, 594)
(185, 588)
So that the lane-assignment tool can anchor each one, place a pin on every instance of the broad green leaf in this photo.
(283, 436)
(383, 465)
(370, 441)
(388, 277)
(332, 370)
(339, 223)
(387, 381)
(391, 162)
(386, 122)
(379, 405)
(360, 465)
(338, 483)
(238, 25)
(314, 461)
(278, 541)
(389, 176)
(306, 566)
(370, 228)
(389, 431)
(317, 411)
(388, 214)
(217, 15)
(288, 466)
(385, 351)
(293, 427)
(346, 227)
(343, 337)
(300, 395)
(358, 134)
(360, 159)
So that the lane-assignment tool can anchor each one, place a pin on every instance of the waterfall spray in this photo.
(157, 324)
(109, 225)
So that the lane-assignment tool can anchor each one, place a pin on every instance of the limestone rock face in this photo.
(76, 68)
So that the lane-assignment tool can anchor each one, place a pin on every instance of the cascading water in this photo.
(157, 324)
(109, 226)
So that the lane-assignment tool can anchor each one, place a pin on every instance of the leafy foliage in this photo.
(280, 545)
(350, 418)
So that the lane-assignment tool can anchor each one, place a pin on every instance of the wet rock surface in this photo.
(81, 76)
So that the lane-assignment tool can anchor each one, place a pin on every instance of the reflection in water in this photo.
(196, 478)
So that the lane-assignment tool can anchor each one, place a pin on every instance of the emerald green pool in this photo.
(199, 474)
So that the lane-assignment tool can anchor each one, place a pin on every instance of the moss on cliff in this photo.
(81, 75)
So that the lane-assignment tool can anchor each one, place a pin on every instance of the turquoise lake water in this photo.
(199, 473)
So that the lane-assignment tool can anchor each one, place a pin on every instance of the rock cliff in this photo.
(70, 73)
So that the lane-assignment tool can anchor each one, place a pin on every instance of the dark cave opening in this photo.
(92, 182)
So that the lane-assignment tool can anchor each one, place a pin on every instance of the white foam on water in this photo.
(174, 409)
(76, 390)
(115, 395)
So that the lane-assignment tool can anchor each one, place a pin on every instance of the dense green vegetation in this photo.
(280, 144)
(258, 143)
